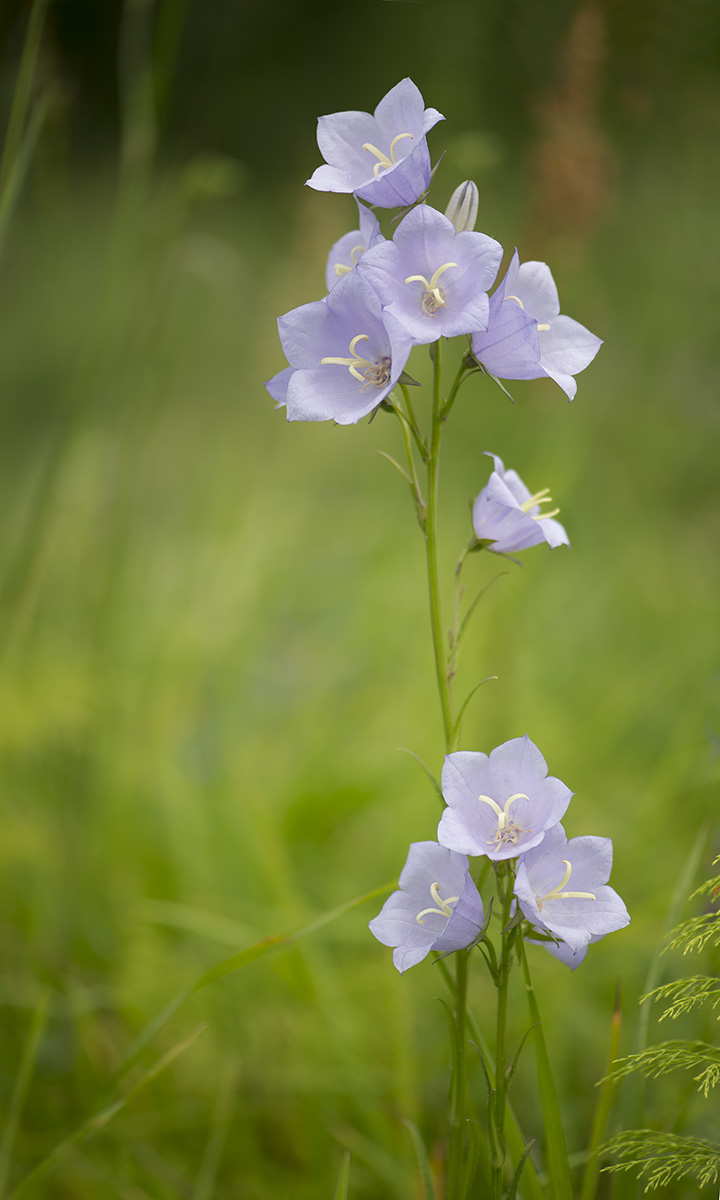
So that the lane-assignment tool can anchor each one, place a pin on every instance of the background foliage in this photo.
(214, 624)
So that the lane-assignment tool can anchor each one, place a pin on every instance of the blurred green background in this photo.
(214, 626)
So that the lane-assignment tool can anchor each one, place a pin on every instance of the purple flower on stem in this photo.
(346, 252)
(526, 338)
(561, 888)
(510, 517)
(500, 804)
(383, 159)
(438, 906)
(433, 279)
(345, 355)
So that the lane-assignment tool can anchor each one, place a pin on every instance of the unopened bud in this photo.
(463, 206)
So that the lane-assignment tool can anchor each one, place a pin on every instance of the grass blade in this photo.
(603, 1109)
(101, 1119)
(423, 1161)
(17, 1102)
(341, 1191)
(556, 1149)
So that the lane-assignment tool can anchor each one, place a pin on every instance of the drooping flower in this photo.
(345, 355)
(499, 804)
(345, 254)
(561, 888)
(511, 517)
(433, 279)
(526, 337)
(437, 907)
(384, 158)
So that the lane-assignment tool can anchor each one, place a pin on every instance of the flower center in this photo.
(558, 894)
(433, 296)
(341, 268)
(540, 497)
(383, 161)
(541, 328)
(443, 909)
(507, 832)
(367, 372)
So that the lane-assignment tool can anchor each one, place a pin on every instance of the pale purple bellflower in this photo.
(345, 254)
(345, 355)
(433, 279)
(499, 804)
(511, 517)
(526, 337)
(384, 159)
(561, 888)
(438, 906)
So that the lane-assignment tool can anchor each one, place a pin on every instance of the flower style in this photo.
(526, 337)
(502, 804)
(345, 355)
(383, 159)
(438, 906)
(511, 518)
(433, 279)
(561, 888)
(345, 254)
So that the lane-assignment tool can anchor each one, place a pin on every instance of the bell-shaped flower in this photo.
(437, 907)
(561, 888)
(345, 355)
(384, 159)
(499, 804)
(526, 337)
(512, 518)
(345, 254)
(433, 279)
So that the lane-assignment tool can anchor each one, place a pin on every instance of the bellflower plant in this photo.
(502, 874)
(345, 254)
(384, 158)
(510, 518)
(526, 336)
(433, 279)
(438, 907)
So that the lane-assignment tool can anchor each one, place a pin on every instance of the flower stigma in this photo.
(541, 497)
(558, 894)
(341, 268)
(375, 373)
(507, 832)
(540, 328)
(433, 296)
(383, 161)
(444, 909)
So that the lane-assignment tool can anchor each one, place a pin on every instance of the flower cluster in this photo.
(503, 806)
(432, 279)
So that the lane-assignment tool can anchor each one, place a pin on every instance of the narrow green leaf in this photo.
(22, 1083)
(427, 771)
(515, 1181)
(556, 1148)
(423, 1161)
(235, 963)
(472, 1156)
(397, 466)
(343, 1182)
(100, 1119)
(603, 1109)
(466, 701)
(512, 1069)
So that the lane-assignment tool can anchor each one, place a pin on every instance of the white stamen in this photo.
(538, 498)
(558, 894)
(507, 832)
(444, 910)
(433, 296)
(375, 373)
(383, 161)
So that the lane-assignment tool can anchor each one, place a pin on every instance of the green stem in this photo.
(463, 371)
(504, 877)
(458, 1109)
(433, 468)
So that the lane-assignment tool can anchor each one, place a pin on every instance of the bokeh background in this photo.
(214, 626)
